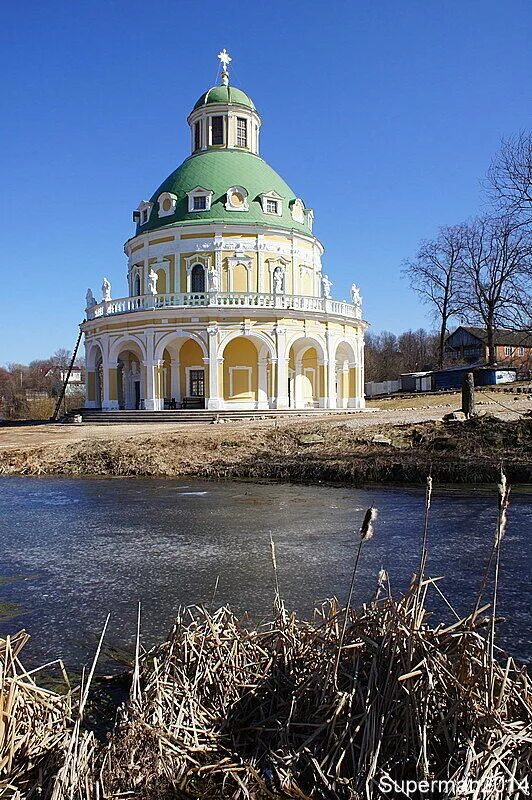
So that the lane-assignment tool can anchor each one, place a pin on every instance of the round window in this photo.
(167, 204)
(237, 199)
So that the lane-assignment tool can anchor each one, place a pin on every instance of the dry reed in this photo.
(223, 709)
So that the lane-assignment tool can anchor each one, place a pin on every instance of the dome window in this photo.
(297, 209)
(272, 203)
(142, 214)
(237, 199)
(167, 204)
(199, 199)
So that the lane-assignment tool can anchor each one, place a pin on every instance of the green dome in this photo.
(225, 94)
(218, 171)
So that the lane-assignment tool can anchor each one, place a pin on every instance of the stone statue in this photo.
(326, 286)
(106, 290)
(356, 297)
(214, 279)
(152, 281)
(90, 299)
(278, 280)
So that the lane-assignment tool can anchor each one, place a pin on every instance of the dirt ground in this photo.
(390, 444)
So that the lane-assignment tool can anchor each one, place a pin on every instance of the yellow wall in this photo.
(91, 386)
(240, 353)
(240, 278)
(161, 281)
(113, 384)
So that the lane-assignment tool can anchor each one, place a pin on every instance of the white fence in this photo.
(384, 387)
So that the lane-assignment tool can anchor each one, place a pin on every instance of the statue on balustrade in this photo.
(152, 281)
(90, 299)
(326, 286)
(278, 280)
(356, 299)
(106, 291)
(214, 279)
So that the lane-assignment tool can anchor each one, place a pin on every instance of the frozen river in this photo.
(74, 549)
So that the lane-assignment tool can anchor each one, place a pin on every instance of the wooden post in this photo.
(468, 395)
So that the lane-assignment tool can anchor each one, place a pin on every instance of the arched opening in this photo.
(129, 379)
(306, 374)
(345, 376)
(240, 278)
(94, 377)
(241, 373)
(136, 286)
(197, 278)
(192, 375)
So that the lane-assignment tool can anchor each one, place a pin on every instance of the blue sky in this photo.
(382, 115)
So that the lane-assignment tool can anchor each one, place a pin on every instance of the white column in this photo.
(263, 384)
(330, 400)
(298, 399)
(175, 384)
(281, 382)
(214, 400)
(151, 401)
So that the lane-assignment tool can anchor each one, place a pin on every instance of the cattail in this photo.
(366, 529)
(504, 499)
(429, 491)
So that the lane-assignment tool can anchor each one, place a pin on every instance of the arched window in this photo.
(137, 286)
(197, 278)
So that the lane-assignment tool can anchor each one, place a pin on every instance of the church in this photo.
(227, 304)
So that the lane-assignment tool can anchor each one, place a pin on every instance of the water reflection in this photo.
(82, 547)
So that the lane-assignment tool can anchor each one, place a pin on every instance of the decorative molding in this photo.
(237, 199)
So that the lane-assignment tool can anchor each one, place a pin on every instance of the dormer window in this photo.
(241, 132)
(217, 130)
(237, 199)
(297, 209)
(199, 199)
(272, 203)
(167, 204)
(142, 214)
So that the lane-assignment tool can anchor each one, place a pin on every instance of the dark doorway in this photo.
(197, 383)
(137, 394)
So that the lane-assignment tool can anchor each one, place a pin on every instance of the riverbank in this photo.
(352, 450)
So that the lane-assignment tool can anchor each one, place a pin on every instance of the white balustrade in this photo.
(322, 305)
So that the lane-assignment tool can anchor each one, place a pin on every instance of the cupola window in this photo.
(217, 130)
(197, 136)
(241, 132)
(199, 199)
(272, 206)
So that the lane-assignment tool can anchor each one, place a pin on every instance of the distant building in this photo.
(469, 345)
(452, 377)
(416, 381)
(58, 374)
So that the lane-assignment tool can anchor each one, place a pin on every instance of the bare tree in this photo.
(496, 263)
(435, 274)
(510, 177)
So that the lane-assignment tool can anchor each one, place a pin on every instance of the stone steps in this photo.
(197, 416)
